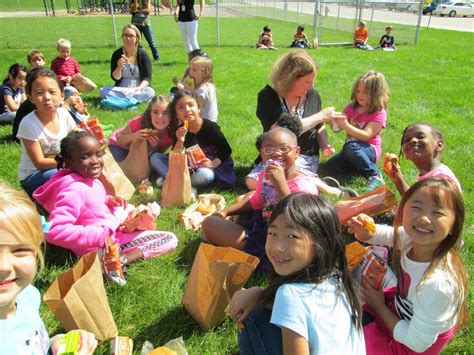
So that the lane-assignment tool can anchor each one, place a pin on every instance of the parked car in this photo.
(430, 8)
(453, 9)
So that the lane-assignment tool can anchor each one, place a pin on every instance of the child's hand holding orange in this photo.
(362, 226)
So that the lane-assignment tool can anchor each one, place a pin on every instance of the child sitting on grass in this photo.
(36, 60)
(12, 92)
(363, 121)
(186, 82)
(292, 122)
(201, 73)
(311, 305)
(22, 330)
(280, 178)
(217, 168)
(300, 40)
(422, 143)
(82, 215)
(68, 70)
(429, 303)
(265, 39)
(361, 36)
(41, 131)
(387, 41)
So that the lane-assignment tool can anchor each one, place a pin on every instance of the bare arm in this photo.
(322, 137)
(325, 115)
(363, 135)
(143, 85)
(293, 343)
(398, 179)
(33, 149)
(201, 8)
(10, 103)
(127, 136)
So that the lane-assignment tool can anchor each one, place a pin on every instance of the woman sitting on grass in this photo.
(131, 69)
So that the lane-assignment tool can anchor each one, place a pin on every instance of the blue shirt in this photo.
(319, 313)
(6, 90)
(24, 333)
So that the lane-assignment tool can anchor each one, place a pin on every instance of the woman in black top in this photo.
(187, 19)
(130, 68)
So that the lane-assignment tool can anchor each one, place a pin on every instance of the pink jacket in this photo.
(79, 215)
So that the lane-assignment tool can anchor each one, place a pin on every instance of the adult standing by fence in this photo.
(187, 19)
(140, 9)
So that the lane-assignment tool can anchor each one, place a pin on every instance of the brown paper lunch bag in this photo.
(217, 273)
(177, 187)
(114, 180)
(78, 299)
(136, 166)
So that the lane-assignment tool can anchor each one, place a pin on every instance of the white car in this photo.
(453, 9)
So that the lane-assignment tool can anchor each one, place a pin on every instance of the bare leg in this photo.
(133, 255)
(326, 189)
(251, 184)
(222, 232)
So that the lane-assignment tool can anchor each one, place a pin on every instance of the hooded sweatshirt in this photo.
(79, 214)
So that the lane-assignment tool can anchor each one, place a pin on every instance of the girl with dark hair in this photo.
(82, 215)
(12, 92)
(41, 131)
(218, 166)
(311, 305)
(422, 143)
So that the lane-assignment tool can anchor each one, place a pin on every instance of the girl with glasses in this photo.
(279, 179)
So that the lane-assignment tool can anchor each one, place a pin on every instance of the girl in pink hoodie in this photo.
(82, 215)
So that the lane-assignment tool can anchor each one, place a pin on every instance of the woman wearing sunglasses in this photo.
(131, 69)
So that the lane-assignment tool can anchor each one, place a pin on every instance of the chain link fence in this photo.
(97, 23)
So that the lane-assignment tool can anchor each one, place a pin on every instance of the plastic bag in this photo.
(119, 103)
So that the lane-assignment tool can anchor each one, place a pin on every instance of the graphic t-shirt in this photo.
(361, 120)
(24, 333)
(32, 129)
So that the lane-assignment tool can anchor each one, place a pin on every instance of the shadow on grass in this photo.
(95, 61)
(187, 255)
(8, 139)
(56, 256)
(177, 322)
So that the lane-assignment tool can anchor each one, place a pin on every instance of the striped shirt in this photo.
(65, 67)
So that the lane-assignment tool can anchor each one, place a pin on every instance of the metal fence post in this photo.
(112, 11)
(217, 24)
(315, 20)
(420, 14)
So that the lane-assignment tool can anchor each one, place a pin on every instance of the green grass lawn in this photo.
(430, 82)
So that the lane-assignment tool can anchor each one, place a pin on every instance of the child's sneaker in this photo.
(373, 182)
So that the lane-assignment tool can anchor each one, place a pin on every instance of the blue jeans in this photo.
(201, 177)
(259, 335)
(356, 157)
(35, 180)
(147, 31)
(118, 153)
